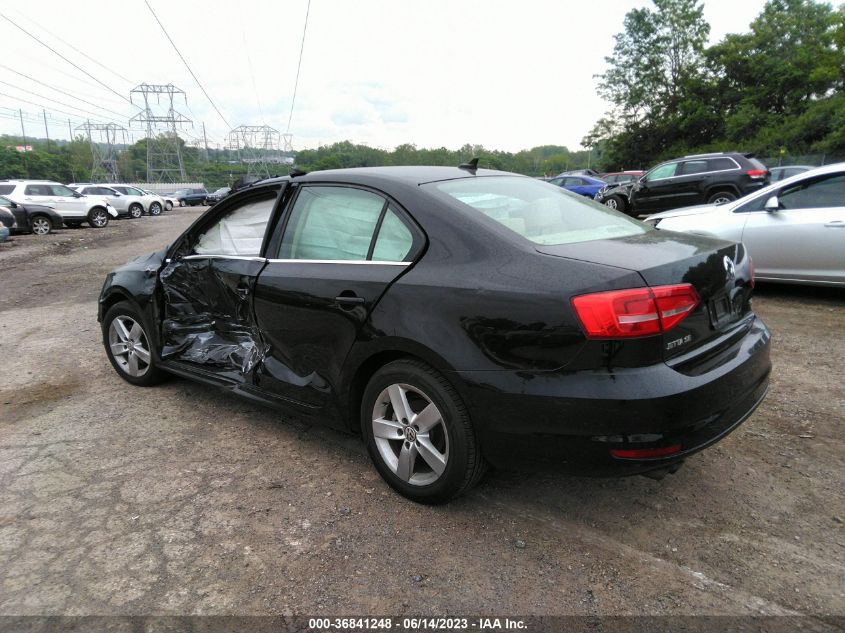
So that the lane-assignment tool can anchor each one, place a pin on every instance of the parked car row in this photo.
(197, 196)
(42, 206)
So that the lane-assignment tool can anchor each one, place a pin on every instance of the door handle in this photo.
(836, 224)
(349, 299)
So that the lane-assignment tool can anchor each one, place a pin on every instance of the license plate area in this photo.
(722, 311)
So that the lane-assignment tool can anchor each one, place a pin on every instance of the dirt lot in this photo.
(180, 499)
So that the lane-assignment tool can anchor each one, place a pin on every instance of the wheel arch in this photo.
(359, 370)
(727, 187)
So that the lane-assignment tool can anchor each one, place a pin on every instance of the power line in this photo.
(53, 50)
(298, 65)
(68, 44)
(73, 114)
(172, 43)
(38, 81)
(61, 103)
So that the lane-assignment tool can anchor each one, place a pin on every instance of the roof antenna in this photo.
(470, 166)
(295, 172)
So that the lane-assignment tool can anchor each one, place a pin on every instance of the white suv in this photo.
(153, 204)
(71, 205)
(130, 205)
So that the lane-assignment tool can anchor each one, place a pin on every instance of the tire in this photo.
(98, 218)
(181, 203)
(616, 203)
(168, 206)
(124, 328)
(155, 208)
(41, 225)
(135, 210)
(449, 444)
(721, 197)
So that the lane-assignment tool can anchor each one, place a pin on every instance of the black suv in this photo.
(683, 182)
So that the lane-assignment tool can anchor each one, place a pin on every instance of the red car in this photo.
(618, 177)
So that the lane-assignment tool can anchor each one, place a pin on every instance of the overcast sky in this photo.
(508, 75)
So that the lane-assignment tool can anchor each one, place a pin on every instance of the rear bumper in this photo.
(572, 421)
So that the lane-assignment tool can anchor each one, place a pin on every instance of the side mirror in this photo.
(116, 195)
(76, 194)
(772, 204)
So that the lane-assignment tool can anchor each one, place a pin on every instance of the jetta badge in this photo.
(730, 268)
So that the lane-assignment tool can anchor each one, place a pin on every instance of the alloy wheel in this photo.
(155, 208)
(611, 202)
(410, 434)
(129, 346)
(99, 219)
(135, 211)
(40, 226)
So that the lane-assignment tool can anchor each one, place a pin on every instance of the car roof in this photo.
(407, 175)
(32, 182)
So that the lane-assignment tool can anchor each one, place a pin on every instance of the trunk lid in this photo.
(720, 272)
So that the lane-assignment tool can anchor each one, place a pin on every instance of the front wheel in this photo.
(98, 218)
(168, 205)
(615, 202)
(128, 346)
(419, 434)
(155, 208)
(41, 225)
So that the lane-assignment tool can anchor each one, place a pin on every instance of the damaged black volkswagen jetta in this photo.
(455, 317)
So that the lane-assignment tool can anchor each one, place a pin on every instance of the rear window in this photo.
(537, 211)
(6, 189)
(722, 164)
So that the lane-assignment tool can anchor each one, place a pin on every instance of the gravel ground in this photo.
(184, 500)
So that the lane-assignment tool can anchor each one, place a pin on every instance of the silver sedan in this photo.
(794, 228)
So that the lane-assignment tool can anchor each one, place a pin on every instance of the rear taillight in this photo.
(634, 312)
(757, 173)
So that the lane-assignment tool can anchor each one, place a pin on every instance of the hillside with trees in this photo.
(774, 90)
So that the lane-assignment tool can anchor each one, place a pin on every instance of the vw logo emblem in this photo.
(730, 268)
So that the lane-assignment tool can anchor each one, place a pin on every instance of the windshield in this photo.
(538, 211)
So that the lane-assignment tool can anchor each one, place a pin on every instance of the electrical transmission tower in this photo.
(288, 143)
(257, 146)
(104, 139)
(161, 122)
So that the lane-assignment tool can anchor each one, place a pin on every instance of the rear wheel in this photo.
(721, 197)
(168, 205)
(98, 218)
(41, 225)
(128, 346)
(135, 210)
(155, 208)
(419, 434)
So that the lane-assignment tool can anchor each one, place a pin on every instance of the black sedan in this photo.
(455, 317)
(32, 218)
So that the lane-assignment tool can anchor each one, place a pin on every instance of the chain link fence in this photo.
(816, 160)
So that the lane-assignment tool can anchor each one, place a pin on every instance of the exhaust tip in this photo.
(660, 473)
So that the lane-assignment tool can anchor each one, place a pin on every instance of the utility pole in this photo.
(205, 141)
(46, 129)
(69, 131)
(23, 133)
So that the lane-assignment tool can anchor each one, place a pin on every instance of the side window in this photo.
(61, 190)
(573, 182)
(331, 223)
(239, 232)
(721, 164)
(694, 167)
(827, 191)
(37, 190)
(5, 190)
(394, 240)
(663, 171)
(557, 181)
